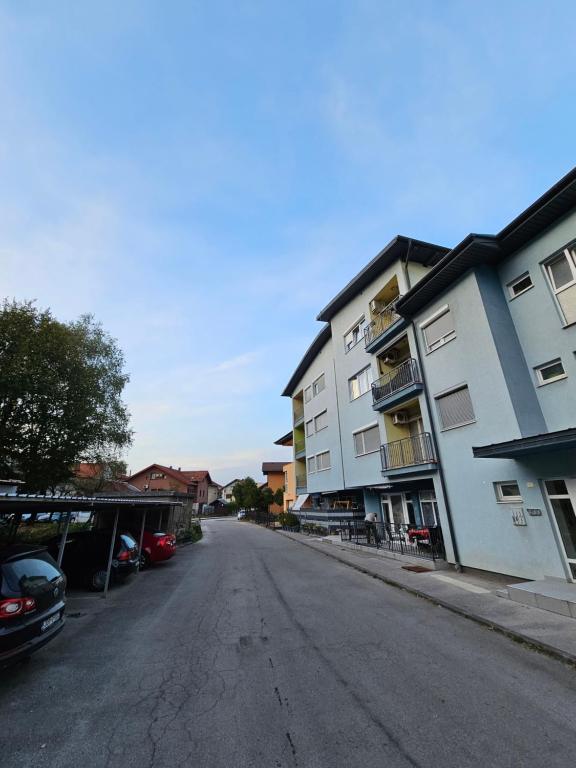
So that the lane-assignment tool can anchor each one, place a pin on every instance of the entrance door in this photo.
(562, 496)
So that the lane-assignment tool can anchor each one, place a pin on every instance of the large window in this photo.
(438, 329)
(323, 461)
(360, 383)
(309, 428)
(561, 272)
(455, 408)
(307, 394)
(355, 334)
(321, 421)
(367, 441)
(318, 385)
(311, 464)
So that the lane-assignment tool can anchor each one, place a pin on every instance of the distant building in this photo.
(274, 472)
(288, 468)
(227, 490)
(196, 484)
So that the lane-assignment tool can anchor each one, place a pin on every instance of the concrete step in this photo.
(548, 594)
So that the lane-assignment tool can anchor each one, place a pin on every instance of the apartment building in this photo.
(449, 393)
(357, 400)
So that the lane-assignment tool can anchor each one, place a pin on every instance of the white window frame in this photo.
(451, 391)
(309, 423)
(370, 380)
(316, 391)
(311, 460)
(569, 252)
(361, 431)
(501, 499)
(443, 339)
(515, 282)
(308, 394)
(539, 368)
(360, 325)
(325, 411)
(323, 453)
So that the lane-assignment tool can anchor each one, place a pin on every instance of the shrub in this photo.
(193, 533)
(288, 520)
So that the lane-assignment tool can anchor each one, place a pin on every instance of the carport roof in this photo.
(34, 503)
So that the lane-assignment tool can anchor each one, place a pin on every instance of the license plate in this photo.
(49, 622)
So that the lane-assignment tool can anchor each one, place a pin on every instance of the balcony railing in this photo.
(299, 446)
(405, 538)
(404, 375)
(408, 452)
(383, 320)
(301, 481)
(298, 415)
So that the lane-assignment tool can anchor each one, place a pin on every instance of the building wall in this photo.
(539, 324)
(161, 483)
(327, 439)
(275, 480)
(289, 485)
(485, 534)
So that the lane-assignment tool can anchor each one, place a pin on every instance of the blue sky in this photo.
(204, 176)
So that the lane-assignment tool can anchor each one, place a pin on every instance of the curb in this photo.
(512, 634)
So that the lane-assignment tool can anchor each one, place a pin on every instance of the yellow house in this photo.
(289, 473)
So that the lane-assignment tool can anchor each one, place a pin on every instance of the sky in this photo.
(204, 176)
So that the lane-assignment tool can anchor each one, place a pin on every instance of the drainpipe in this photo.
(338, 419)
(457, 564)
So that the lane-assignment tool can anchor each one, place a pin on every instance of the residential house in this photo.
(274, 473)
(289, 473)
(227, 491)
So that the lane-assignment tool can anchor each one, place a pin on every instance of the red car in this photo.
(156, 546)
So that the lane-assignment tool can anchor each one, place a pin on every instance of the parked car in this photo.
(86, 553)
(156, 547)
(32, 600)
(241, 514)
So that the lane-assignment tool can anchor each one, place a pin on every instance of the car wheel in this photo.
(98, 580)
(145, 561)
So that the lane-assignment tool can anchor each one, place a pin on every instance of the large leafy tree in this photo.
(60, 395)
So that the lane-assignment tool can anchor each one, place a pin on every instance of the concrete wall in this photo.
(539, 325)
(485, 535)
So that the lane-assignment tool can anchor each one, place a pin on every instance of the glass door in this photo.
(562, 497)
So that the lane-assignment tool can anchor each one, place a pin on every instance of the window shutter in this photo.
(438, 328)
(455, 408)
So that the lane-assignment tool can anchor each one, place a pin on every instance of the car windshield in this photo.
(29, 573)
(127, 541)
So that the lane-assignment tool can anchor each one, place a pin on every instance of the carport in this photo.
(106, 512)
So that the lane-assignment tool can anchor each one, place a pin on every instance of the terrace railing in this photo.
(402, 376)
(408, 452)
(406, 539)
(383, 320)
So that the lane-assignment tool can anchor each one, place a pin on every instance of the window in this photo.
(360, 383)
(157, 475)
(455, 408)
(438, 329)
(307, 394)
(355, 334)
(549, 372)
(520, 285)
(428, 507)
(323, 461)
(312, 464)
(318, 385)
(321, 421)
(561, 272)
(507, 491)
(309, 428)
(367, 441)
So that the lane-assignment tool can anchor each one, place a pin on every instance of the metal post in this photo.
(111, 552)
(141, 538)
(63, 539)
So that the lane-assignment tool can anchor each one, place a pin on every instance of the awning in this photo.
(302, 499)
(527, 446)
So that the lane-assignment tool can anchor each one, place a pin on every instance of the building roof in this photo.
(286, 439)
(319, 342)
(199, 475)
(398, 248)
(182, 477)
(482, 249)
(272, 466)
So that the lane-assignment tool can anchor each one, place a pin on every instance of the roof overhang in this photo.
(398, 248)
(528, 446)
(286, 439)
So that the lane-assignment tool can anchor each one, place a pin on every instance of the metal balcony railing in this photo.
(383, 320)
(404, 375)
(408, 452)
(300, 481)
(404, 538)
(299, 446)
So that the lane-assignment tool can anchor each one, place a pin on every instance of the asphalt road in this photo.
(251, 651)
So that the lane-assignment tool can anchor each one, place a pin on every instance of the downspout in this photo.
(452, 534)
(338, 417)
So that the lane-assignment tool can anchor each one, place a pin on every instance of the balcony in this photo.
(299, 449)
(300, 484)
(386, 323)
(411, 455)
(298, 416)
(397, 386)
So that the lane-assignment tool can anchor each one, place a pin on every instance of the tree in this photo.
(279, 497)
(247, 494)
(60, 396)
(266, 497)
(94, 481)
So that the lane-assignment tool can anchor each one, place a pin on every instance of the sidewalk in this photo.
(470, 595)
